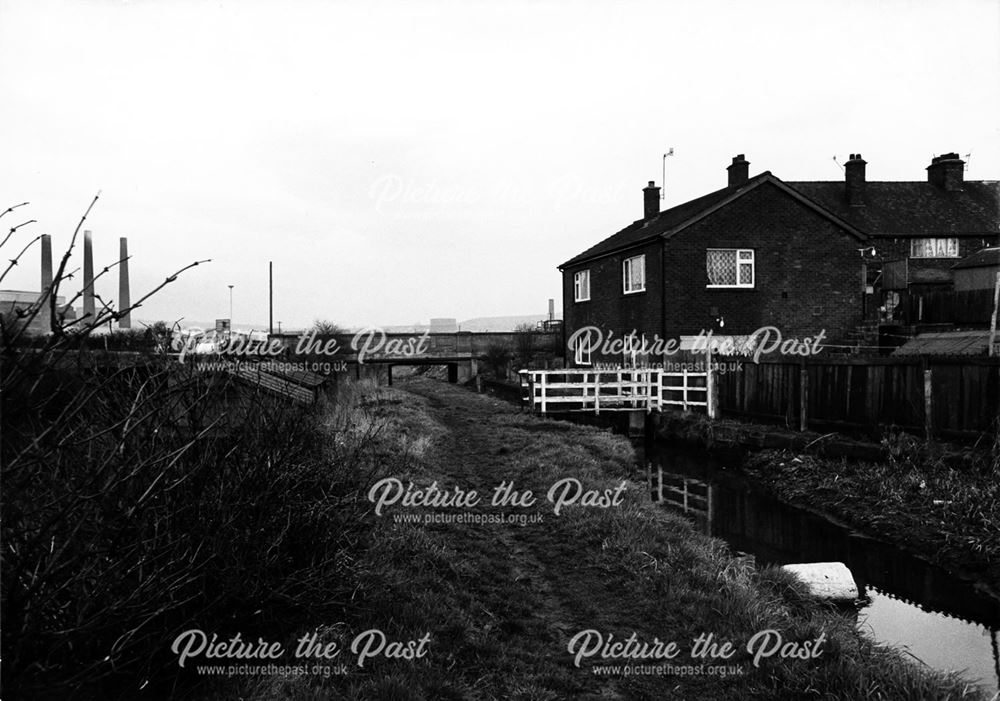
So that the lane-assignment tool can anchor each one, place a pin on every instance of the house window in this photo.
(582, 353)
(934, 248)
(730, 267)
(630, 350)
(581, 286)
(634, 274)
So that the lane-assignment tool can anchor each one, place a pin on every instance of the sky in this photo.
(402, 161)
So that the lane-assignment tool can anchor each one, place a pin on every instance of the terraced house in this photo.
(806, 257)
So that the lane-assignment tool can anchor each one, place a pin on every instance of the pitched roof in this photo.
(642, 230)
(670, 221)
(984, 258)
(913, 208)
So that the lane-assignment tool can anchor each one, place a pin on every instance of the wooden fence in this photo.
(945, 396)
(947, 307)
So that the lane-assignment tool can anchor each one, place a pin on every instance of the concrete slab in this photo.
(831, 581)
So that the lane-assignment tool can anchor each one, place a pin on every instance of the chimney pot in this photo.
(854, 178)
(651, 201)
(947, 172)
(739, 170)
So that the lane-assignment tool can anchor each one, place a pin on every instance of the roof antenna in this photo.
(663, 182)
(968, 159)
(838, 163)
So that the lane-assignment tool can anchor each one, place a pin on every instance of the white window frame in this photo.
(630, 349)
(579, 357)
(627, 277)
(581, 279)
(914, 243)
(738, 285)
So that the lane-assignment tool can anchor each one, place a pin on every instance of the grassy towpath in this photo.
(502, 601)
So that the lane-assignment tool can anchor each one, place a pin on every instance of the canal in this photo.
(922, 610)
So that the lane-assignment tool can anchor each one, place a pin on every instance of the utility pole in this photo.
(270, 297)
(230, 310)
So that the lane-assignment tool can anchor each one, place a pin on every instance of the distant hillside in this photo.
(482, 323)
(479, 324)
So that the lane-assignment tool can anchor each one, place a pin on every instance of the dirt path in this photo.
(502, 598)
(474, 454)
(549, 588)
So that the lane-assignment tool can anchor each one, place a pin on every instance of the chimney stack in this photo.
(739, 170)
(552, 309)
(89, 309)
(124, 298)
(44, 317)
(947, 172)
(651, 201)
(854, 176)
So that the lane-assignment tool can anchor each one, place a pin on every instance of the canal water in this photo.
(916, 607)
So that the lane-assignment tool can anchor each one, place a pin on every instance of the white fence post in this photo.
(684, 395)
(711, 407)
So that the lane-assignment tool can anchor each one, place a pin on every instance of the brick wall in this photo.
(808, 270)
(609, 308)
(808, 277)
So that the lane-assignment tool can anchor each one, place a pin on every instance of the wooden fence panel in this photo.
(966, 397)
(948, 306)
(866, 393)
(769, 390)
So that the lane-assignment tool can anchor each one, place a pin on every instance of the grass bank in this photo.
(936, 500)
(948, 514)
(502, 598)
(143, 498)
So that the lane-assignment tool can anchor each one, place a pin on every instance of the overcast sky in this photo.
(439, 159)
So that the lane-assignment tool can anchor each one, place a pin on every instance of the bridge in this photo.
(624, 389)
(461, 352)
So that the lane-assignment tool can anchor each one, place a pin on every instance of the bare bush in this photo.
(142, 495)
(498, 358)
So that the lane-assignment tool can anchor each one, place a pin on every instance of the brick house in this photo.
(764, 252)
(919, 230)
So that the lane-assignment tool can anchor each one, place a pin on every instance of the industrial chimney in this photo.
(44, 315)
(89, 310)
(124, 299)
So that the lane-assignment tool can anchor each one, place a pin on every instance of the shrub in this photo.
(143, 496)
(498, 357)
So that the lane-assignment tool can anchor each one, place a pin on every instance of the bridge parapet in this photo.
(374, 345)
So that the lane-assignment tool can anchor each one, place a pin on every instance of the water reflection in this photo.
(942, 620)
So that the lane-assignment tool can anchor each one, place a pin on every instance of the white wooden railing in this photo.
(628, 389)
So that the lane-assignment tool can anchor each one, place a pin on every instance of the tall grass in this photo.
(142, 497)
